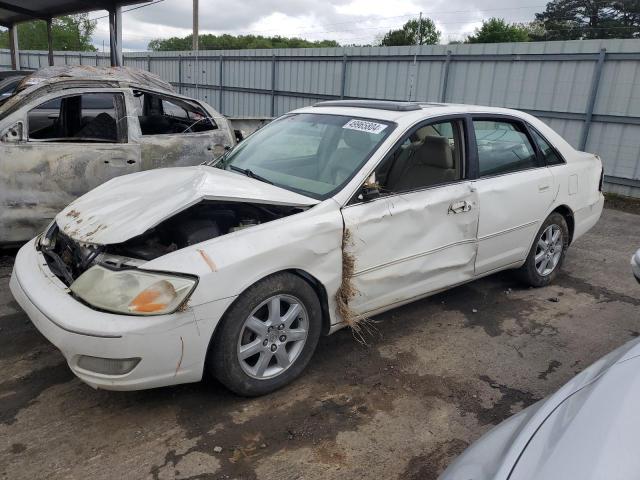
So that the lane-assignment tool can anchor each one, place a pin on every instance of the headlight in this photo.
(133, 292)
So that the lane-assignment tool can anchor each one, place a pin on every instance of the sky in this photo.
(346, 21)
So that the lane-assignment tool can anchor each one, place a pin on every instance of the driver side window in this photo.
(431, 155)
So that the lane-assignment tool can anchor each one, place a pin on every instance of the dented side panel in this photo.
(408, 245)
(309, 241)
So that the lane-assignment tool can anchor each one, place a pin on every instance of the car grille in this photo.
(66, 258)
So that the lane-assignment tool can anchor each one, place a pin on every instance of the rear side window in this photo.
(163, 115)
(503, 147)
(551, 157)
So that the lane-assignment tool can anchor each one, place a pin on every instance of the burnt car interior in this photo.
(166, 115)
(68, 259)
(90, 117)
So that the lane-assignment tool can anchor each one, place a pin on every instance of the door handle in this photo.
(131, 161)
(460, 207)
(544, 187)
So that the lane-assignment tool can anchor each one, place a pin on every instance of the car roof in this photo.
(401, 112)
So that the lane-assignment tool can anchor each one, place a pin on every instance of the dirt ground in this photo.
(437, 375)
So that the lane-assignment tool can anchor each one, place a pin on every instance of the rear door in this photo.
(515, 191)
(175, 132)
(66, 152)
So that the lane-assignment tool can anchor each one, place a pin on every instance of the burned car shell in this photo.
(312, 239)
(39, 178)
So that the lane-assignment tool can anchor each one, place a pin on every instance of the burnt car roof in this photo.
(124, 75)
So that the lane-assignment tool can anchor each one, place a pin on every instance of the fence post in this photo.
(79, 58)
(593, 96)
(180, 73)
(97, 60)
(343, 79)
(273, 85)
(445, 80)
(148, 63)
(65, 59)
(220, 97)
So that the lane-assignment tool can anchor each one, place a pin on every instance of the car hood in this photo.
(127, 206)
(568, 431)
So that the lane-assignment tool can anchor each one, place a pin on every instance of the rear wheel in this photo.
(547, 253)
(268, 336)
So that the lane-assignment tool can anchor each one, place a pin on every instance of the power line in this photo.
(130, 9)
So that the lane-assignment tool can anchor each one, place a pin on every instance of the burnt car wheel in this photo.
(547, 252)
(267, 337)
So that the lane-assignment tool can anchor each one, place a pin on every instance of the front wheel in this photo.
(547, 253)
(268, 336)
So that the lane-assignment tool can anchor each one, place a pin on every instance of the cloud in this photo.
(347, 21)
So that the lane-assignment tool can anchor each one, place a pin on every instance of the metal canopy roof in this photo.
(16, 11)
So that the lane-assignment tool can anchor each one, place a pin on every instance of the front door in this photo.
(419, 235)
(66, 153)
(515, 189)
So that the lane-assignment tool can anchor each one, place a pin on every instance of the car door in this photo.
(419, 234)
(515, 191)
(176, 132)
(62, 155)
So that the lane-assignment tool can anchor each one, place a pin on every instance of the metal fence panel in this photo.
(590, 96)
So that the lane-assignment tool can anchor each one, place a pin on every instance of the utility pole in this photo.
(414, 67)
(194, 44)
(420, 29)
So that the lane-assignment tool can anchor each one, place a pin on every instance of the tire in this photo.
(537, 274)
(264, 329)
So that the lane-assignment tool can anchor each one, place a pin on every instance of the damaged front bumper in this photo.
(154, 351)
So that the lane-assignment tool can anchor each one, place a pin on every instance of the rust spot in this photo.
(208, 260)
(73, 213)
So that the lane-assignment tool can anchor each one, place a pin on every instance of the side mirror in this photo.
(13, 134)
(370, 189)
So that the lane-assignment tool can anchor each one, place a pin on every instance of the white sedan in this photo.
(325, 217)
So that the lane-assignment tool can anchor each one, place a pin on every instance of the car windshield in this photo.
(312, 154)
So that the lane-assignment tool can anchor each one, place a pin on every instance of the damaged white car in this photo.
(328, 215)
(70, 128)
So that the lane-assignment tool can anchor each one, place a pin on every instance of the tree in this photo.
(581, 19)
(236, 42)
(71, 33)
(496, 30)
(410, 34)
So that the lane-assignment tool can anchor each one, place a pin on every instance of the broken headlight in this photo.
(132, 292)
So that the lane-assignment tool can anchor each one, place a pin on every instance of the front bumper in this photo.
(635, 265)
(172, 347)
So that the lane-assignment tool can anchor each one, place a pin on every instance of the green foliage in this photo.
(496, 30)
(71, 33)
(236, 42)
(580, 19)
(409, 34)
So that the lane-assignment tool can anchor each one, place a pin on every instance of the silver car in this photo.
(587, 430)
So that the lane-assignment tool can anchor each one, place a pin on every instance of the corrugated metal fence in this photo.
(588, 91)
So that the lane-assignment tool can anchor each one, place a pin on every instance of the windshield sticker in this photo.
(364, 126)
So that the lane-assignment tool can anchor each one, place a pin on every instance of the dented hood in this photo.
(127, 206)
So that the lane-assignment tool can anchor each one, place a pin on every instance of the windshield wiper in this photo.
(250, 174)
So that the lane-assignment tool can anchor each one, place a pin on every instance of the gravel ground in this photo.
(436, 375)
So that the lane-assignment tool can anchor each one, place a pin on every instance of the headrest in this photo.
(356, 140)
(435, 152)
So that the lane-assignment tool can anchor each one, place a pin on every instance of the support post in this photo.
(50, 40)
(97, 60)
(445, 80)
(180, 74)
(343, 76)
(220, 92)
(195, 36)
(15, 48)
(115, 36)
(148, 63)
(593, 96)
(273, 86)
